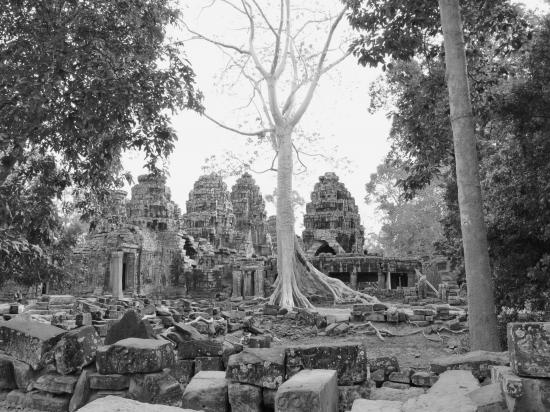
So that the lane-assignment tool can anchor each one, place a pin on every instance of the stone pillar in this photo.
(381, 283)
(237, 282)
(388, 280)
(259, 282)
(247, 283)
(116, 274)
(353, 279)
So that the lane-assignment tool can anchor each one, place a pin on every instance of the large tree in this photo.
(284, 74)
(80, 82)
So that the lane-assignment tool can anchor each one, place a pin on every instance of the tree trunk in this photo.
(285, 218)
(481, 305)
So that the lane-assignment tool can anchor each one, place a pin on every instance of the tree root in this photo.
(306, 280)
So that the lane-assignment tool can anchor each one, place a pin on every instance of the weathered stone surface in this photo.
(65, 300)
(520, 393)
(29, 342)
(529, 348)
(115, 403)
(367, 405)
(229, 348)
(262, 367)
(348, 394)
(207, 392)
(81, 390)
(114, 382)
(204, 347)
(158, 388)
(449, 394)
(308, 390)
(425, 379)
(23, 374)
(477, 361)
(129, 326)
(488, 398)
(135, 355)
(102, 394)
(76, 349)
(349, 360)
(403, 376)
(7, 378)
(392, 394)
(55, 383)
(386, 364)
(208, 363)
(245, 398)
(38, 400)
(183, 370)
(396, 385)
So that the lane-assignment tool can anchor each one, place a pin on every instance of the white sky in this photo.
(338, 112)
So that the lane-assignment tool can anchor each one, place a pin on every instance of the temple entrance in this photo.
(325, 248)
(124, 268)
(399, 280)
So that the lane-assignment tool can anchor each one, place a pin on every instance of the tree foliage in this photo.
(80, 82)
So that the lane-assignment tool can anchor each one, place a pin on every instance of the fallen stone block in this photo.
(62, 300)
(425, 379)
(134, 355)
(261, 367)
(115, 382)
(348, 394)
(29, 342)
(23, 374)
(449, 394)
(54, 383)
(521, 393)
(392, 394)
(157, 388)
(349, 360)
(38, 400)
(115, 403)
(478, 362)
(245, 398)
(488, 398)
(81, 391)
(368, 405)
(129, 326)
(204, 347)
(386, 364)
(183, 370)
(228, 349)
(76, 349)
(7, 378)
(208, 363)
(395, 385)
(308, 390)
(528, 345)
(403, 376)
(207, 392)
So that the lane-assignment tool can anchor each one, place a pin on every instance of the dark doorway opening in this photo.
(364, 277)
(124, 266)
(343, 276)
(399, 280)
(325, 248)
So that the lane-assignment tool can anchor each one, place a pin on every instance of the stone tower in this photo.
(210, 212)
(151, 205)
(332, 222)
(250, 214)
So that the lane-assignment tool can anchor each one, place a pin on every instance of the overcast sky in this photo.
(338, 113)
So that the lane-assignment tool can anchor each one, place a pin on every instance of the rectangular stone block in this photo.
(349, 360)
(54, 383)
(478, 362)
(312, 390)
(114, 382)
(245, 398)
(37, 400)
(375, 317)
(521, 393)
(208, 363)
(261, 367)
(156, 388)
(195, 348)
(29, 341)
(529, 348)
(183, 370)
(207, 392)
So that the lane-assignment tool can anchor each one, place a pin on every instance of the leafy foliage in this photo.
(80, 82)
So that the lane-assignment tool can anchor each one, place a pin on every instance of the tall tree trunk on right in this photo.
(481, 304)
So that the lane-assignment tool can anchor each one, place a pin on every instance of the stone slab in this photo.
(38, 400)
(488, 398)
(392, 394)
(478, 362)
(208, 363)
(368, 405)
(157, 388)
(54, 383)
(529, 348)
(308, 390)
(134, 355)
(520, 393)
(115, 382)
(76, 349)
(207, 392)
(245, 398)
(261, 367)
(449, 394)
(29, 341)
(203, 347)
(81, 390)
(115, 403)
(349, 360)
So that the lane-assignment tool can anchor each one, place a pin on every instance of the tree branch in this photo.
(252, 51)
(259, 133)
(216, 42)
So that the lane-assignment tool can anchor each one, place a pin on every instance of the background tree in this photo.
(80, 82)
(284, 76)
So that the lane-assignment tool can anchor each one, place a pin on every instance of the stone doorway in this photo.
(399, 280)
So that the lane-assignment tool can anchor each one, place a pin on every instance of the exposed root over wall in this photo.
(293, 290)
